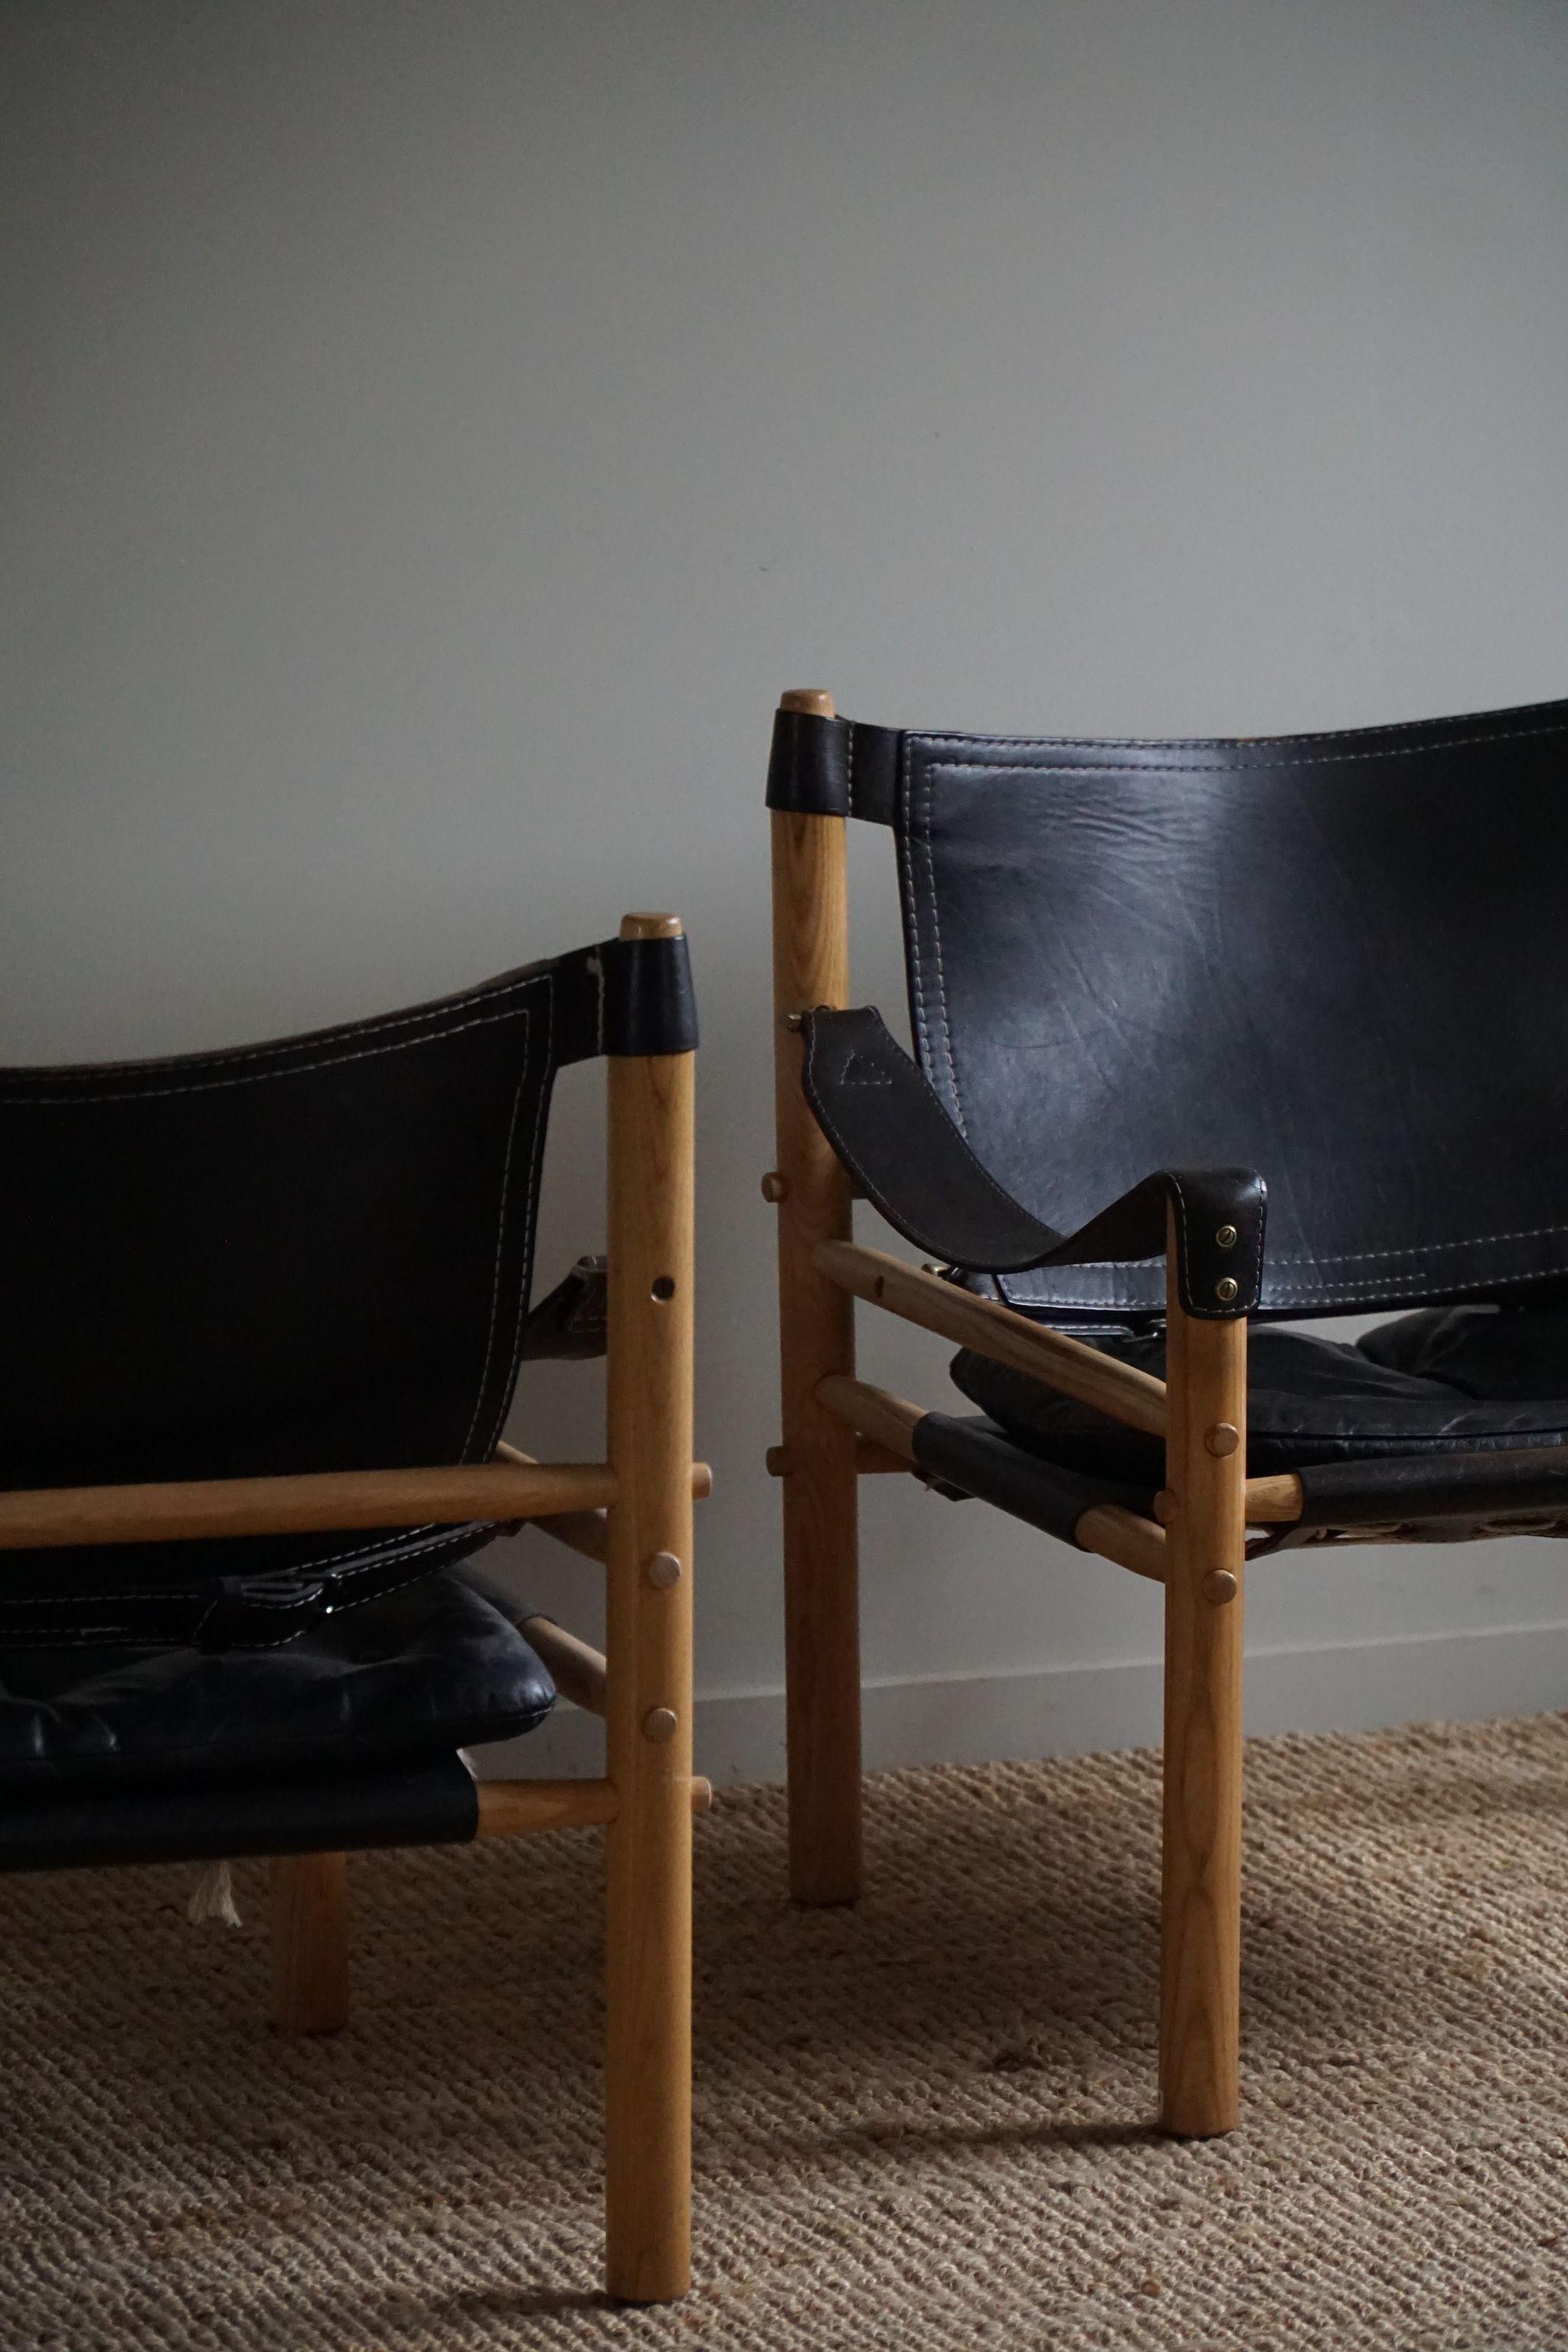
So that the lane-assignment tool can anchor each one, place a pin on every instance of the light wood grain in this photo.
(888, 1421)
(45, 1518)
(816, 1342)
(1201, 1898)
(517, 1808)
(309, 1938)
(648, 1648)
(1135, 1398)
(585, 1531)
(1274, 1502)
(1124, 1537)
(575, 1668)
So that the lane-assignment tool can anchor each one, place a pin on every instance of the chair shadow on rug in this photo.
(272, 1303)
(1209, 1038)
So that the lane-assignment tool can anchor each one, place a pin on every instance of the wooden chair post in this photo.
(648, 1669)
(309, 1934)
(817, 1340)
(1205, 1553)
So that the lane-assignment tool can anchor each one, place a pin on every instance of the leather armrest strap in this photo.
(889, 1127)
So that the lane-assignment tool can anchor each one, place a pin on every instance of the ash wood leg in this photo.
(648, 1673)
(816, 1342)
(309, 1932)
(1201, 1899)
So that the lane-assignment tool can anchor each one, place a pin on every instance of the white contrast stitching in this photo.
(1221, 742)
(182, 1592)
(954, 767)
(501, 1234)
(130, 1070)
(1424, 1249)
(66, 1637)
(258, 1077)
(940, 973)
(918, 973)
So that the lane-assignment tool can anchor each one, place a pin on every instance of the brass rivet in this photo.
(793, 1022)
(658, 1723)
(1226, 1237)
(1220, 1586)
(1225, 1289)
(1223, 1438)
(663, 1570)
(775, 1187)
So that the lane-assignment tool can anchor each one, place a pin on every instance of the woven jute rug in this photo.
(921, 2124)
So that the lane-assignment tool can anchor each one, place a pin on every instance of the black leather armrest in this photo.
(888, 1127)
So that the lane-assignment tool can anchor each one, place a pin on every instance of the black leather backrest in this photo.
(303, 1255)
(1340, 958)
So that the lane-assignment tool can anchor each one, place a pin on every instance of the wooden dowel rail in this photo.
(584, 1531)
(888, 1422)
(1135, 1398)
(1274, 1502)
(819, 1459)
(1121, 1536)
(576, 1669)
(871, 1460)
(513, 1808)
(47, 1517)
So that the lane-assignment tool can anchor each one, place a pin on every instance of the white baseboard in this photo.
(1074, 1710)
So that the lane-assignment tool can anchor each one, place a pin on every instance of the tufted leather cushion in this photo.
(1445, 1380)
(408, 1677)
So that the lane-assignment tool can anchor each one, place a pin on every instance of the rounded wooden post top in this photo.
(809, 699)
(651, 927)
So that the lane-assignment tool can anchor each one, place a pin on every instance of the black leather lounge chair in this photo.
(1146, 981)
(263, 1314)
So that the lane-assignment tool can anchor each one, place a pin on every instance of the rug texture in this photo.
(922, 2125)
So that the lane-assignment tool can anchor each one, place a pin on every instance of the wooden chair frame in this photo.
(836, 1429)
(632, 1512)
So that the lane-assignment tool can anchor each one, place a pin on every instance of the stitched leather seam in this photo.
(113, 1631)
(940, 973)
(185, 1591)
(258, 1077)
(1350, 1257)
(1424, 1249)
(914, 927)
(535, 1165)
(1219, 742)
(1040, 1296)
(524, 1078)
(130, 1070)
(925, 837)
(1420, 1282)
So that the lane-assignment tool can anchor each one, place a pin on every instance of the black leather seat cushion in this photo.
(1446, 1381)
(410, 1675)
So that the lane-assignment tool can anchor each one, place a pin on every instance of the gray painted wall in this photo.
(435, 432)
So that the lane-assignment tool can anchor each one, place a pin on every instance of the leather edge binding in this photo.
(833, 767)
